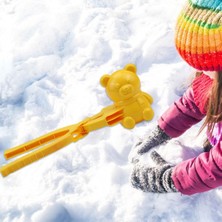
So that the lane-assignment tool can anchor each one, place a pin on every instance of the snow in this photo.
(52, 55)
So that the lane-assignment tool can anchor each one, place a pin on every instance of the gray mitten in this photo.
(155, 138)
(154, 179)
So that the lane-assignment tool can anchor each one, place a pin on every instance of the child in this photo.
(199, 42)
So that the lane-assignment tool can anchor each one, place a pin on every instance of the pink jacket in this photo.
(203, 172)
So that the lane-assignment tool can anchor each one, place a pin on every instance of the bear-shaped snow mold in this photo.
(130, 106)
(123, 88)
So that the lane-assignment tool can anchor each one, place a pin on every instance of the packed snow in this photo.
(52, 55)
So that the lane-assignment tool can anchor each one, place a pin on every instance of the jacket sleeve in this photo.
(181, 115)
(199, 174)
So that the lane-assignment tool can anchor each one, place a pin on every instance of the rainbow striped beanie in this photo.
(199, 34)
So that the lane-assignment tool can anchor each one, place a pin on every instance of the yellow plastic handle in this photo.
(44, 146)
(34, 144)
(35, 155)
(57, 139)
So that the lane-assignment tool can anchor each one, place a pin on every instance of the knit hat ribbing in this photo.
(199, 34)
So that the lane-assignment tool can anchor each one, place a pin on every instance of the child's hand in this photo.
(155, 138)
(153, 179)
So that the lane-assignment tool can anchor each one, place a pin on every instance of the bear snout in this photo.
(126, 90)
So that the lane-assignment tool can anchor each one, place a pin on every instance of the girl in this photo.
(199, 42)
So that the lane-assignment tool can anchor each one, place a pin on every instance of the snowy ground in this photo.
(52, 55)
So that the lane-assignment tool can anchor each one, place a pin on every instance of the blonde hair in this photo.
(214, 105)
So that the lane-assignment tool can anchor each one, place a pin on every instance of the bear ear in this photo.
(104, 80)
(130, 67)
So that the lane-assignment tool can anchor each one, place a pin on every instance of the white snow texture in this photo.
(52, 55)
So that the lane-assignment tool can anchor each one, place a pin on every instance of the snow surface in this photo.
(52, 55)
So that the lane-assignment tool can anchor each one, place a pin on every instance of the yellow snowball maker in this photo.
(130, 106)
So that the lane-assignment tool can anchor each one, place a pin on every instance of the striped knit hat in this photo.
(199, 34)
